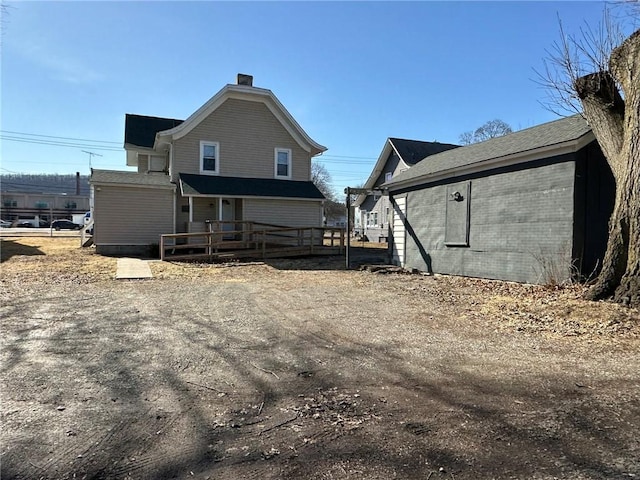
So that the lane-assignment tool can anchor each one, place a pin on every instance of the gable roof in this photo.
(409, 151)
(413, 151)
(140, 130)
(549, 139)
(248, 93)
(202, 185)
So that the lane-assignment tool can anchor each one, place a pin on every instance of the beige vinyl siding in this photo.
(143, 163)
(248, 134)
(289, 213)
(132, 215)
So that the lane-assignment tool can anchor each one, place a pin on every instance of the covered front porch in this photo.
(204, 213)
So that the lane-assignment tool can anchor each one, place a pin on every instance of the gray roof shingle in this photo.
(413, 151)
(130, 178)
(545, 135)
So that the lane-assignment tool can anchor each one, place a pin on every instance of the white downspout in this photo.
(175, 209)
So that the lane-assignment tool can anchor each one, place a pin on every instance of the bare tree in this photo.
(321, 178)
(596, 73)
(491, 129)
(466, 138)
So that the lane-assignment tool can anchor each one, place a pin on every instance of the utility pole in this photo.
(348, 192)
(91, 154)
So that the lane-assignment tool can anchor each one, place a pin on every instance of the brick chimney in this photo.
(245, 80)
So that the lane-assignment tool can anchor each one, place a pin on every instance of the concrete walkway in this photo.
(132, 268)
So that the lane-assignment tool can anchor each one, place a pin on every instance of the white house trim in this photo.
(276, 151)
(205, 143)
(563, 148)
(252, 94)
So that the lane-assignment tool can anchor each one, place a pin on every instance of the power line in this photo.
(346, 156)
(55, 141)
(59, 144)
(59, 138)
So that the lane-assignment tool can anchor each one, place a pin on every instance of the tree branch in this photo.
(604, 107)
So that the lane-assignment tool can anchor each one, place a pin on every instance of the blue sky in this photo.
(351, 73)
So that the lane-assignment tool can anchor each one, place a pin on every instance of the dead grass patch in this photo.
(505, 306)
(33, 258)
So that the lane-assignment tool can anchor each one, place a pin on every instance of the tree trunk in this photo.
(616, 124)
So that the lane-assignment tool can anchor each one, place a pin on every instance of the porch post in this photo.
(190, 209)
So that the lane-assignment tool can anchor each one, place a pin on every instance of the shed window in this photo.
(457, 215)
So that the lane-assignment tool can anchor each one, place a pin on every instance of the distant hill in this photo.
(43, 183)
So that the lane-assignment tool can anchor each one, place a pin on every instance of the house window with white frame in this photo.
(209, 157)
(283, 163)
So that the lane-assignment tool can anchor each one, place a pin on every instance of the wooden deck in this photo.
(225, 240)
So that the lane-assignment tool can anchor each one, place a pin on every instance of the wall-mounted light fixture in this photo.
(456, 196)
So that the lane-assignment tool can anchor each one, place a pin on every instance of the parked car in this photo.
(44, 224)
(24, 224)
(64, 225)
(4, 224)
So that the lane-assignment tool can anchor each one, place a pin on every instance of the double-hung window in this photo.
(209, 157)
(283, 163)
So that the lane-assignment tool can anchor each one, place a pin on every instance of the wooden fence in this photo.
(251, 240)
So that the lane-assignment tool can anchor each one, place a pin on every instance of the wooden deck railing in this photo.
(253, 239)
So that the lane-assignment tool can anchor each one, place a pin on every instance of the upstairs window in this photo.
(283, 163)
(209, 157)
(388, 176)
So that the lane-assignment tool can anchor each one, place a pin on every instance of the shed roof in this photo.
(194, 185)
(542, 138)
(130, 178)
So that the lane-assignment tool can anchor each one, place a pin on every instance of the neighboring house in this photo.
(372, 212)
(532, 206)
(239, 157)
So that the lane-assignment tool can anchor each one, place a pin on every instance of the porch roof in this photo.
(213, 185)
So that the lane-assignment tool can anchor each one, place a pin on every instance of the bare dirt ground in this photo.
(300, 369)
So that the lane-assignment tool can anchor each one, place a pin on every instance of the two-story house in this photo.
(239, 157)
(372, 212)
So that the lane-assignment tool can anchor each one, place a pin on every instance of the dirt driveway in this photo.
(299, 369)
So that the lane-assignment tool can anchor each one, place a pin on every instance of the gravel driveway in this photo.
(299, 369)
